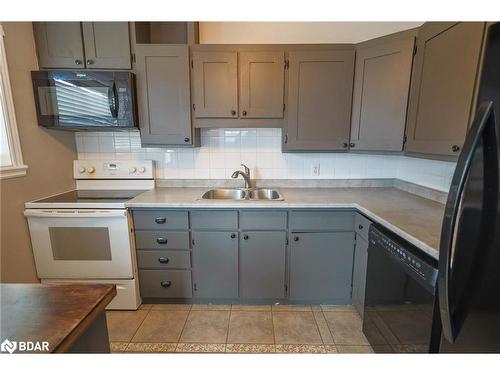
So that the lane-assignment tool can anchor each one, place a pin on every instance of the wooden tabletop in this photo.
(58, 314)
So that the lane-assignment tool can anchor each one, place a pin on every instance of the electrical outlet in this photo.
(315, 169)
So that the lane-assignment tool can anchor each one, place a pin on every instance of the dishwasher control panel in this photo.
(406, 254)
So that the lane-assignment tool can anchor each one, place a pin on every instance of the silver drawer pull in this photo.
(166, 284)
(161, 240)
(160, 220)
(163, 260)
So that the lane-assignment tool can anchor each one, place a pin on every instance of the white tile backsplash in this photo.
(223, 150)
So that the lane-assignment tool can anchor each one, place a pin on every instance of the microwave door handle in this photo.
(112, 100)
(450, 219)
(74, 214)
(117, 100)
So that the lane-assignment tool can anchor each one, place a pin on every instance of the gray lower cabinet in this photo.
(59, 44)
(443, 86)
(165, 284)
(262, 265)
(163, 94)
(359, 274)
(321, 266)
(215, 264)
(381, 89)
(319, 100)
(107, 45)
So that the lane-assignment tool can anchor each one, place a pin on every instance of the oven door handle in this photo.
(74, 213)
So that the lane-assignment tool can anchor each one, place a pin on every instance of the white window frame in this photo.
(18, 168)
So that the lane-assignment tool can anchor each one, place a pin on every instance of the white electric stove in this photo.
(86, 235)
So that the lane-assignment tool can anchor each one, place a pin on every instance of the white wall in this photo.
(297, 32)
(223, 150)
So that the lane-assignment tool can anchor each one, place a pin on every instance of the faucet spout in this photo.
(245, 175)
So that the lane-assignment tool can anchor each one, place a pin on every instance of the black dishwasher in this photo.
(399, 299)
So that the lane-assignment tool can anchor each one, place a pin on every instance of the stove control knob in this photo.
(142, 169)
(81, 170)
(91, 169)
(132, 170)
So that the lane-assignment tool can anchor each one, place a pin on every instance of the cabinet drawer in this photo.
(161, 240)
(266, 220)
(163, 259)
(361, 225)
(160, 219)
(214, 219)
(165, 284)
(322, 220)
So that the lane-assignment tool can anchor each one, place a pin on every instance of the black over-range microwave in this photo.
(85, 100)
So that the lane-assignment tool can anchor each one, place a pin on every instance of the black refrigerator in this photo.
(468, 290)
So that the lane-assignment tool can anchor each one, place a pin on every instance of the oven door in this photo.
(76, 100)
(81, 244)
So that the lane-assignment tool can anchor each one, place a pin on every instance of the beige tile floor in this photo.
(182, 328)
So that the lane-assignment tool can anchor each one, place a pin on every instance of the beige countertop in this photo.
(416, 219)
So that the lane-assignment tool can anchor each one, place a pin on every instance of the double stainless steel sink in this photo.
(243, 194)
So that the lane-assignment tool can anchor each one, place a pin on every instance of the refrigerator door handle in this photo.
(450, 218)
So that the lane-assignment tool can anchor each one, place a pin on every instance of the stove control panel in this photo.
(113, 169)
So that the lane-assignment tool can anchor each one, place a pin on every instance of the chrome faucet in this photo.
(245, 175)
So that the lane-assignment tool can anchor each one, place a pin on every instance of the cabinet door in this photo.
(59, 44)
(321, 266)
(443, 86)
(163, 94)
(262, 83)
(215, 84)
(359, 274)
(381, 88)
(319, 100)
(215, 264)
(107, 45)
(262, 264)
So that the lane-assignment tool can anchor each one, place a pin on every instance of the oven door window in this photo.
(77, 243)
(79, 103)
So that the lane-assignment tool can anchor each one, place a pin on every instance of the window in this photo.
(11, 161)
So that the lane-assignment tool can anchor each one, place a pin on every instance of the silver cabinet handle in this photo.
(166, 284)
(163, 260)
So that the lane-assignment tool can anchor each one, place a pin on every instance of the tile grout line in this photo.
(228, 325)
(183, 328)
(329, 329)
(274, 332)
(137, 329)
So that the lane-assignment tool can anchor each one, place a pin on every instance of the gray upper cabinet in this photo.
(443, 86)
(262, 265)
(381, 89)
(319, 100)
(163, 94)
(262, 83)
(321, 266)
(59, 44)
(91, 45)
(215, 264)
(215, 84)
(107, 45)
